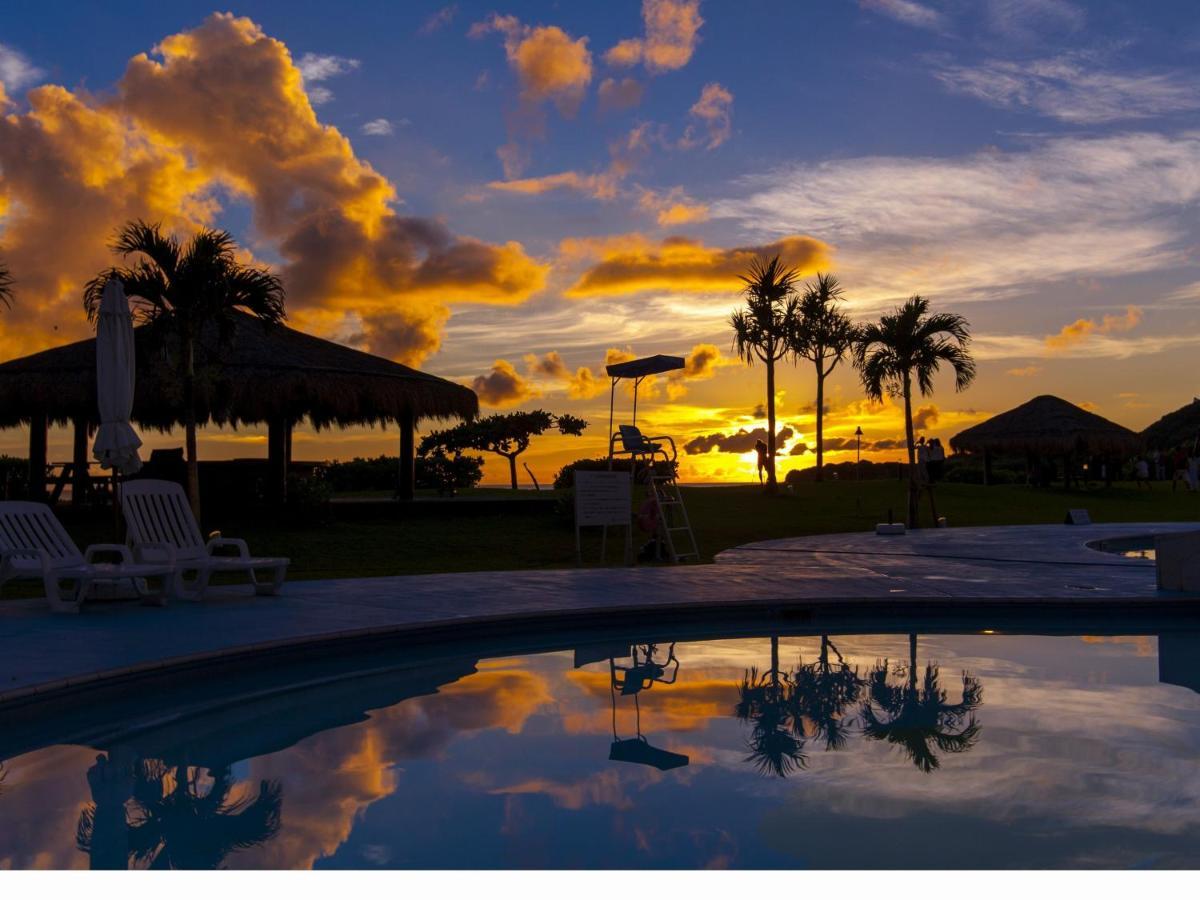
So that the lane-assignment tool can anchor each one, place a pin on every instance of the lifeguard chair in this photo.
(643, 671)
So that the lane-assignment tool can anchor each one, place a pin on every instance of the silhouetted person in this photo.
(760, 447)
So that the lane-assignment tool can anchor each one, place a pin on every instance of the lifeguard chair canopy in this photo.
(647, 365)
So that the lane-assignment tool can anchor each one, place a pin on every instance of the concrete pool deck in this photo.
(1019, 566)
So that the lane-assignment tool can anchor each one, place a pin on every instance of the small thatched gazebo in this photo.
(1046, 426)
(1180, 428)
(255, 374)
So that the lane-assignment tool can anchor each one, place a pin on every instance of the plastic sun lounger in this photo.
(34, 544)
(157, 515)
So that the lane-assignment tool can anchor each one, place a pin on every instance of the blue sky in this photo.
(1033, 164)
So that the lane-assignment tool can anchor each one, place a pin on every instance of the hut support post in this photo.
(79, 463)
(278, 438)
(406, 487)
(37, 458)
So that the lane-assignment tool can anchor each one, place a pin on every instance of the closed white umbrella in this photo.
(117, 443)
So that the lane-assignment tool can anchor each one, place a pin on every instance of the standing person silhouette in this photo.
(760, 447)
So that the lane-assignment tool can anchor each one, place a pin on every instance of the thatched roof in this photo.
(1047, 425)
(1179, 428)
(253, 375)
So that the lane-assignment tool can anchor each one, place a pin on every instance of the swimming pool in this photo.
(774, 750)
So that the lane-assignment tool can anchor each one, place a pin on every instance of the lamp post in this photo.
(858, 453)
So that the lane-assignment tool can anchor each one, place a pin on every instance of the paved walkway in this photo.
(1024, 565)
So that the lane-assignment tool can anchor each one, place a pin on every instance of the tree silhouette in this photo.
(765, 701)
(763, 331)
(917, 717)
(912, 343)
(822, 691)
(174, 824)
(183, 289)
(823, 335)
(505, 434)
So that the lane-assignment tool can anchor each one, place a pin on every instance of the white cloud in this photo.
(1033, 20)
(16, 71)
(907, 11)
(991, 224)
(1066, 90)
(315, 67)
(377, 127)
(1096, 346)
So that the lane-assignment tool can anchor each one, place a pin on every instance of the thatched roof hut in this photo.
(1047, 426)
(254, 374)
(1175, 429)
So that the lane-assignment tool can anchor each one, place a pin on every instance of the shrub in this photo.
(448, 473)
(566, 475)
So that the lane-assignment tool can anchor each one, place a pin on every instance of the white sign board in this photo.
(602, 498)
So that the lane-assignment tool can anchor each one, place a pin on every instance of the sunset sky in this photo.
(509, 194)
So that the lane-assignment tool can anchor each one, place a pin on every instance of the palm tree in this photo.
(6, 286)
(822, 692)
(762, 331)
(914, 717)
(776, 740)
(183, 290)
(175, 825)
(823, 335)
(912, 343)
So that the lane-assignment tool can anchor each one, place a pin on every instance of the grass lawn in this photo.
(722, 517)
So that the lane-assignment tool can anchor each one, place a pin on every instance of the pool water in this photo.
(789, 751)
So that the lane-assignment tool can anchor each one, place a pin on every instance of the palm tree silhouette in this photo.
(914, 717)
(823, 335)
(776, 742)
(176, 825)
(763, 331)
(822, 691)
(183, 289)
(912, 343)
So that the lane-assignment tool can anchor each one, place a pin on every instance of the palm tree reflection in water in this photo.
(918, 717)
(175, 821)
(785, 709)
(777, 734)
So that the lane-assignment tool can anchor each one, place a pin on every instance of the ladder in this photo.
(673, 518)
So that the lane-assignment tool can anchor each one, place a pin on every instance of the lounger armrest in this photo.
(152, 552)
(89, 555)
(36, 552)
(216, 544)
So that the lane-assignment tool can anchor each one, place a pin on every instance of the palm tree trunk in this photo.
(772, 484)
(912, 661)
(512, 470)
(820, 419)
(912, 452)
(189, 426)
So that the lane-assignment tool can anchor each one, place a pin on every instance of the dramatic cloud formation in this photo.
(550, 64)
(925, 417)
(582, 384)
(671, 32)
(503, 386)
(742, 441)
(617, 95)
(1081, 329)
(989, 224)
(146, 153)
(907, 11)
(632, 263)
(713, 118)
(16, 71)
(1065, 89)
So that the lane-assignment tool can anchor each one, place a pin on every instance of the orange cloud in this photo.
(582, 384)
(223, 107)
(713, 113)
(623, 94)
(1081, 329)
(672, 208)
(671, 28)
(632, 263)
(625, 152)
(1025, 371)
(925, 417)
(550, 65)
(503, 386)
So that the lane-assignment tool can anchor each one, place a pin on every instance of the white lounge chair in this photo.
(157, 513)
(34, 544)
